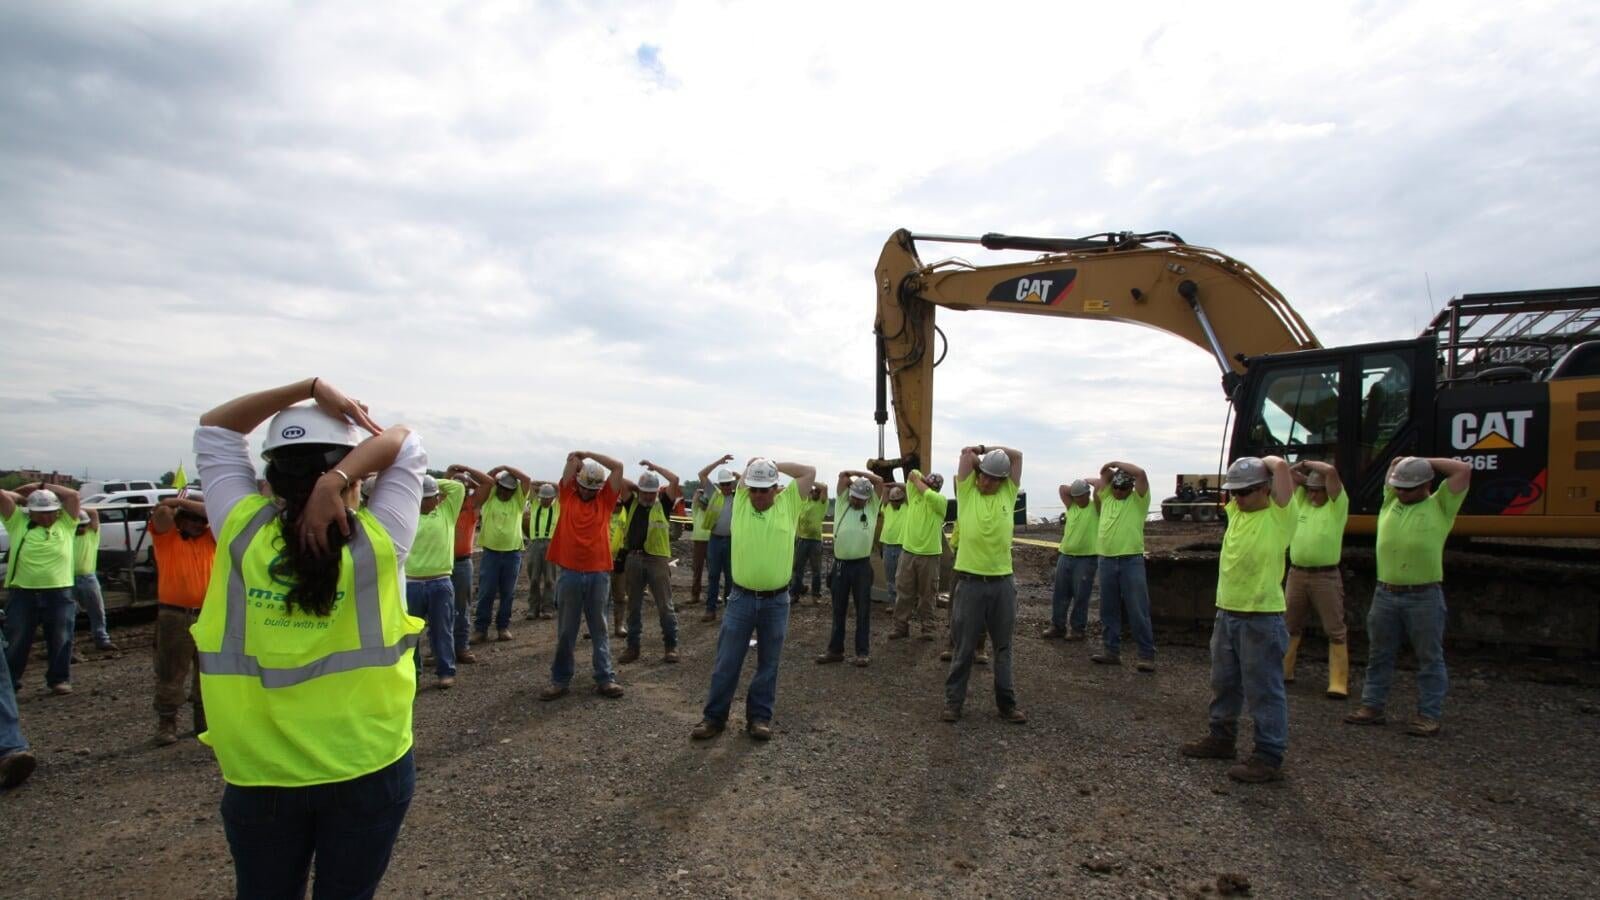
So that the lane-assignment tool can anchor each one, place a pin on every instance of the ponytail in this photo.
(313, 580)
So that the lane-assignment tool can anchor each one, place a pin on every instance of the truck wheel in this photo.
(1207, 513)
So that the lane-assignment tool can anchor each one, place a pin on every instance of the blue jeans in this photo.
(348, 828)
(982, 608)
(1123, 589)
(582, 596)
(1247, 671)
(807, 551)
(499, 575)
(461, 583)
(53, 608)
(1419, 617)
(86, 593)
(1074, 583)
(768, 619)
(852, 578)
(891, 564)
(11, 739)
(434, 601)
(719, 567)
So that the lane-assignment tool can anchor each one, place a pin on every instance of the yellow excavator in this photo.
(1509, 382)
(1521, 401)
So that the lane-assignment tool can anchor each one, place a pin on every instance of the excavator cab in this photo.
(1355, 407)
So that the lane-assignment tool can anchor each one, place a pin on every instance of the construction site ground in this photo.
(862, 791)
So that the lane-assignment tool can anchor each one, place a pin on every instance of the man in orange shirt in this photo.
(478, 486)
(185, 549)
(591, 487)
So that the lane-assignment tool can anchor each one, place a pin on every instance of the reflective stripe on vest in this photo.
(232, 660)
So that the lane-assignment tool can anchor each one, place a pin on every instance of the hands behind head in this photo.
(333, 401)
(325, 507)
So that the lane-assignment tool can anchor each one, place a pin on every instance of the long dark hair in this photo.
(313, 580)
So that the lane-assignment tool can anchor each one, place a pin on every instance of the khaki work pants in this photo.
(643, 570)
(177, 666)
(916, 586)
(541, 576)
(1323, 590)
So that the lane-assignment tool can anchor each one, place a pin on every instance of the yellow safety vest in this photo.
(657, 535)
(712, 511)
(295, 699)
(619, 530)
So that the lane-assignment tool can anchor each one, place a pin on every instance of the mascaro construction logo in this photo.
(1040, 288)
(1490, 431)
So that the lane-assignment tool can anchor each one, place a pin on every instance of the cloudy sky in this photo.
(649, 228)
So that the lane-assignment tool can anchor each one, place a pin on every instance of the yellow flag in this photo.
(179, 479)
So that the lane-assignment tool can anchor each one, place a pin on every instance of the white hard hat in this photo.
(934, 480)
(725, 476)
(761, 473)
(1413, 471)
(860, 488)
(1246, 471)
(507, 481)
(83, 517)
(1078, 488)
(547, 491)
(43, 501)
(996, 464)
(592, 476)
(302, 425)
(649, 483)
(897, 493)
(430, 486)
(1315, 480)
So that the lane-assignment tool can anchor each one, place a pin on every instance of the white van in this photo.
(94, 491)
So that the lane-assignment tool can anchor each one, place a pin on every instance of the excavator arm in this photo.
(1207, 298)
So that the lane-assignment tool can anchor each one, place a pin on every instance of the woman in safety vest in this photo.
(305, 647)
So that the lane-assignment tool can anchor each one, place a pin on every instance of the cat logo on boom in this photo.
(1040, 288)
(1495, 431)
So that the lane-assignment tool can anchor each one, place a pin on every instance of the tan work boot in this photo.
(610, 689)
(1338, 671)
(1255, 770)
(901, 630)
(1289, 658)
(670, 656)
(824, 659)
(166, 731)
(554, 692)
(1422, 726)
(1209, 747)
(628, 655)
(503, 634)
(1052, 634)
(1366, 715)
(15, 767)
(707, 730)
(466, 656)
(945, 656)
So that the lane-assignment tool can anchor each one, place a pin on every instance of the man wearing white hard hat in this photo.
(1076, 562)
(185, 550)
(921, 554)
(764, 523)
(1124, 589)
(1408, 603)
(1321, 507)
(855, 522)
(647, 558)
(501, 562)
(591, 487)
(1248, 636)
(42, 522)
(716, 503)
(540, 520)
(430, 594)
(985, 601)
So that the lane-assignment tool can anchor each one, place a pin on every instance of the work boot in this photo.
(925, 634)
(480, 637)
(670, 656)
(619, 632)
(166, 731)
(76, 656)
(1255, 770)
(707, 730)
(1338, 671)
(503, 634)
(1013, 715)
(628, 655)
(554, 692)
(1422, 726)
(531, 615)
(62, 687)
(759, 730)
(610, 689)
(900, 630)
(824, 659)
(1366, 715)
(447, 682)
(980, 658)
(945, 656)
(15, 768)
(466, 656)
(1209, 747)
(1106, 659)
(1076, 636)
(950, 714)
(709, 617)
(1288, 659)
(105, 646)
(861, 662)
(1052, 634)
(1145, 665)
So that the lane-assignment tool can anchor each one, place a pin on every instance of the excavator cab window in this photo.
(1297, 412)
(1385, 404)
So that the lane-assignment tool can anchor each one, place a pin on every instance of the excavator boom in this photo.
(1156, 280)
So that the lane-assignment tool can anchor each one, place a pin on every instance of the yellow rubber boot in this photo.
(1288, 659)
(1338, 671)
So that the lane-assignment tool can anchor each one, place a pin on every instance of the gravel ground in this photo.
(862, 791)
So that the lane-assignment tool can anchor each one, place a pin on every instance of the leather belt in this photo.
(972, 577)
(1407, 588)
(1248, 614)
(186, 610)
(762, 594)
(1331, 568)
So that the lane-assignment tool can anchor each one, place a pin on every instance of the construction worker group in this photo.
(271, 599)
